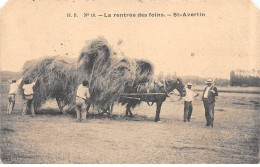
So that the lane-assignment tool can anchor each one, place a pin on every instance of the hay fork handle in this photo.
(36, 78)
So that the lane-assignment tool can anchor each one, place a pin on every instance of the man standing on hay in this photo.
(208, 99)
(28, 96)
(82, 100)
(188, 102)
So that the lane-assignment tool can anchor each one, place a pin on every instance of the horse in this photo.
(158, 94)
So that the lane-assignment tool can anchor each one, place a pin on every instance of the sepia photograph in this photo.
(129, 82)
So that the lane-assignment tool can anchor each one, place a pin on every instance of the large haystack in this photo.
(106, 73)
(110, 75)
(56, 78)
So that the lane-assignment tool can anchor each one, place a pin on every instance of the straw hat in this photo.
(209, 80)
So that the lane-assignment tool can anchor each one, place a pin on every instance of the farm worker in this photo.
(208, 99)
(82, 100)
(188, 102)
(11, 96)
(28, 95)
(12, 93)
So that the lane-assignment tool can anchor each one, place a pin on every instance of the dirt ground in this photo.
(51, 137)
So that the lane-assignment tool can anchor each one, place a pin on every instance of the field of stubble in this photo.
(51, 137)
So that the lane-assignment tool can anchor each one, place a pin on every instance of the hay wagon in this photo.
(149, 98)
(157, 94)
(146, 97)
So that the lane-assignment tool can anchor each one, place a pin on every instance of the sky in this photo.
(257, 3)
(225, 39)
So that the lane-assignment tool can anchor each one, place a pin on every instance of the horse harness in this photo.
(148, 90)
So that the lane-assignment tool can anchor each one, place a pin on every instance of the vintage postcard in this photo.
(129, 82)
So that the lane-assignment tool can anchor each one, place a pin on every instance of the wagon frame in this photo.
(149, 98)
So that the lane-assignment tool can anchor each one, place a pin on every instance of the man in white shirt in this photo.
(188, 102)
(208, 99)
(28, 96)
(82, 98)
(11, 96)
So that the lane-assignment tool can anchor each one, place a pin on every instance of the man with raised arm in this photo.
(29, 96)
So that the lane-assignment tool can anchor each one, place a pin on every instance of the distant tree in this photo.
(245, 78)
(232, 78)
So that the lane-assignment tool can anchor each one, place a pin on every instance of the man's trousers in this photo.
(209, 112)
(187, 110)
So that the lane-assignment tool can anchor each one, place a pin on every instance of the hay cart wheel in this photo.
(61, 105)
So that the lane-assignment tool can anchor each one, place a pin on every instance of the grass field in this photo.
(51, 137)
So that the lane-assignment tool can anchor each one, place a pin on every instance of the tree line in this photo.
(195, 80)
(245, 78)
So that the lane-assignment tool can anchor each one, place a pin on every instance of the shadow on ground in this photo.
(115, 117)
(118, 117)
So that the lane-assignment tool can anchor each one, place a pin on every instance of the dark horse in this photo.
(158, 94)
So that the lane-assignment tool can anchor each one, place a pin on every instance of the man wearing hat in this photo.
(208, 99)
(188, 102)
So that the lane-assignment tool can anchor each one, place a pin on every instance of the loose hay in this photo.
(56, 78)
(144, 71)
(108, 73)
(94, 57)
(110, 84)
